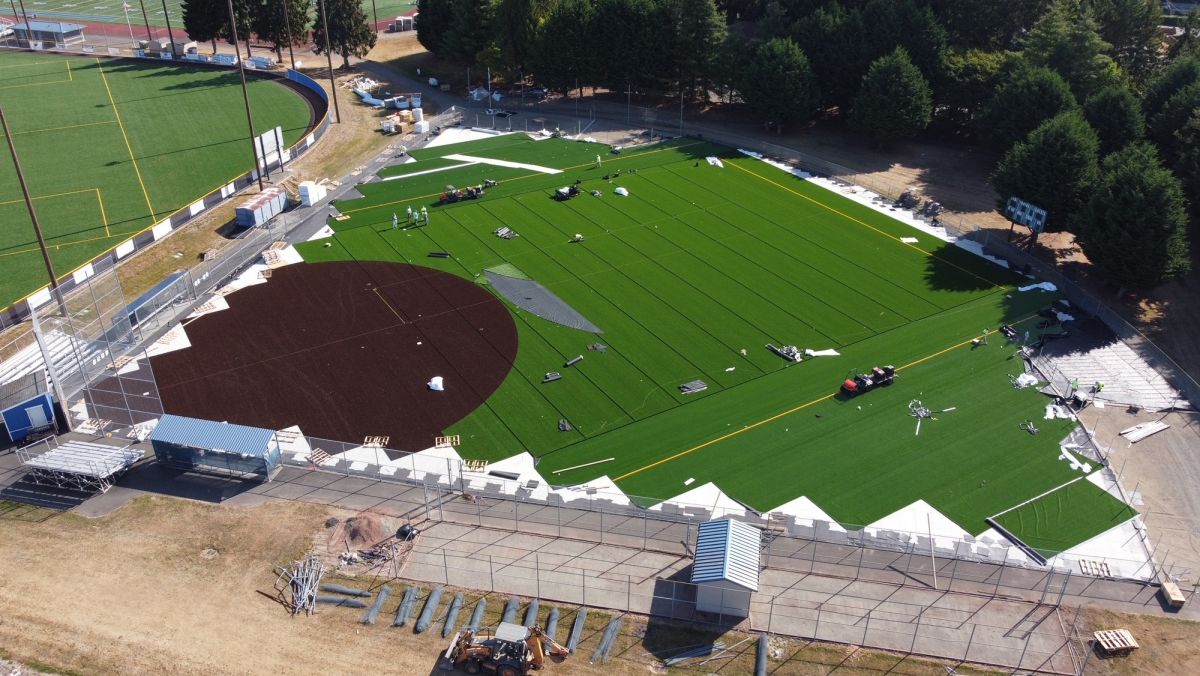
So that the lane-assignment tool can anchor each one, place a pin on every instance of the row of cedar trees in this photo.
(272, 21)
(1091, 109)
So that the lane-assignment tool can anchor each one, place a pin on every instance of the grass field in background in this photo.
(109, 11)
(700, 263)
(111, 147)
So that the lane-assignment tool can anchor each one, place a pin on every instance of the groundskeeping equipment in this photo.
(512, 650)
(861, 383)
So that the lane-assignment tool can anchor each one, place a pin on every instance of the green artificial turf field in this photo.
(688, 278)
(111, 147)
(109, 11)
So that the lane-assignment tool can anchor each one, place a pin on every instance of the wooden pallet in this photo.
(1094, 568)
(442, 442)
(317, 456)
(1116, 641)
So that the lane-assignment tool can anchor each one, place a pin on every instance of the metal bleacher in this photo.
(79, 465)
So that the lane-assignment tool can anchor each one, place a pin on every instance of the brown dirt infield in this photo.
(344, 350)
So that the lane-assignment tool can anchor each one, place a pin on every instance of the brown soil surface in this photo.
(343, 350)
(140, 592)
(1169, 646)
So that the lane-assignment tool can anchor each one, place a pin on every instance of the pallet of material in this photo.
(1116, 641)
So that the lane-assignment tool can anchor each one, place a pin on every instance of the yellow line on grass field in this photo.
(788, 412)
(69, 126)
(103, 215)
(862, 223)
(518, 178)
(46, 197)
(125, 136)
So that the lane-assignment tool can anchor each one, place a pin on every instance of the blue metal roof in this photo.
(727, 550)
(154, 291)
(50, 26)
(197, 433)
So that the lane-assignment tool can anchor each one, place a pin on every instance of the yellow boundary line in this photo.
(788, 412)
(518, 178)
(862, 223)
(103, 217)
(117, 113)
(389, 306)
(69, 126)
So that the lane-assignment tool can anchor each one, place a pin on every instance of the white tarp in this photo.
(622, 192)
(435, 384)
(716, 162)
(1044, 286)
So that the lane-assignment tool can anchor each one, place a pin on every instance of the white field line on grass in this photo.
(427, 171)
(1036, 497)
(502, 163)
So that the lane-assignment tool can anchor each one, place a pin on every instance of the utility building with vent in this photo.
(725, 570)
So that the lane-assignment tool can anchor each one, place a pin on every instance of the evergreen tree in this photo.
(350, 34)
(565, 54)
(1131, 27)
(242, 12)
(1185, 161)
(1178, 75)
(777, 83)
(1116, 115)
(908, 24)
(1134, 230)
(970, 79)
(832, 38)
(470, 31)
(270, 24)
(894, 101)
(515, 23)
(1030, 96)
(625, 28)
(699, 34)
(1066, 40)
(987, 24)
(204, 20)
(1055, 167)
(1174, 114)
(433, 25)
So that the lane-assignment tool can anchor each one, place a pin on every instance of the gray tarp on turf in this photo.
(533, 297)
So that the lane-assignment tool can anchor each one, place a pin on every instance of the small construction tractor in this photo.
(512, 650)
(861, 383)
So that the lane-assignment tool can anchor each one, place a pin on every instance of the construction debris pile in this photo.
(297, 586)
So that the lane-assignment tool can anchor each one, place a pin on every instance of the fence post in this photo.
(491, 575)
(537, 580)
(425, 493)
(478, 512)
(445, 567)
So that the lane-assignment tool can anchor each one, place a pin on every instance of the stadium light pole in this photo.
(245, 97)
(170, 34)
(375, 14)
(287, 27)
(146, 19)
(37, 227)
(25, 16)
(337, 114)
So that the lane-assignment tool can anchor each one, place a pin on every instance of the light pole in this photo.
(329, 59)
(287, 26)
(146, 19)
(37, 227)
(245, 97)
(170, 34)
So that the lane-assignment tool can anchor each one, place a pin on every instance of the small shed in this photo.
(57, 32)
(725, 570)
(199, 445)
(26, 406)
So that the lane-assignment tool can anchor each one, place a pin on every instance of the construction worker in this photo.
(395, 221)
(425, 215)
(597, 161)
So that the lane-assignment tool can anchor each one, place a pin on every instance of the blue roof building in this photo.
(199, 445)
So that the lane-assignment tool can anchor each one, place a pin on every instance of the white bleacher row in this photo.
(78, 465)
(63, 350)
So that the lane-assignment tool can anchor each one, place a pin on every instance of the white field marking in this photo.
(503, 163)
(427, 171)
(586, 464)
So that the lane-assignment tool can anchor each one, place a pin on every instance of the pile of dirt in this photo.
(364, 530)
